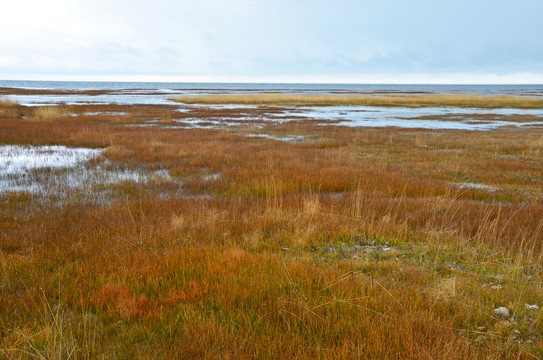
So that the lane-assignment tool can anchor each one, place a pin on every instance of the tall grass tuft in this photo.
(7, 103)
(49, 112)
(8, 107)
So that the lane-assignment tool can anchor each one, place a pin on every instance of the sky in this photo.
(311, 41)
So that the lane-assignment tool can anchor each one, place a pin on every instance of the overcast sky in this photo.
(480, 41)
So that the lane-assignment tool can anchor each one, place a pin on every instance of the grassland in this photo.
(459, 100)
(355, 243)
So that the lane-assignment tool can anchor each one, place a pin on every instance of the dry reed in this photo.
(384, 100)
(7, 103)
(49, 112)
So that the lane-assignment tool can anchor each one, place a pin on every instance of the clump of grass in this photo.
(7, 103)
(369, 100)
(55, 334)
(49, 112)
(8, 108)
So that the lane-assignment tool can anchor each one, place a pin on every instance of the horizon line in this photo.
(377, 79)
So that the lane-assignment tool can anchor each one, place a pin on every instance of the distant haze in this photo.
(342, 41)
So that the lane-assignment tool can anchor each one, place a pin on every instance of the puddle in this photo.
(212, 177)
(218, 107)
(22, 160)
(286, 138)
(201, 123)
(470, 185)
(214, 122)
(106, 113)
(59, 171)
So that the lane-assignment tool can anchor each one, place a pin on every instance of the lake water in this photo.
(531, 90)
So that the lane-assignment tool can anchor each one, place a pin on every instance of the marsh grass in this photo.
(52, 339)
(49, 113)
(358, 244)
(384, 100)
(8, 108)
(7, 103)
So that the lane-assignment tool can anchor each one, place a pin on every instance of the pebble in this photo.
(502, 312)
(531, 307)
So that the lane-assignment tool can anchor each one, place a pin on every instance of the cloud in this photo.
(297, 38)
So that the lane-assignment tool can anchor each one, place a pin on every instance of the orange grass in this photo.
(354, 244)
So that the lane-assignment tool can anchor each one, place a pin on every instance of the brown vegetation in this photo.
(357, 243)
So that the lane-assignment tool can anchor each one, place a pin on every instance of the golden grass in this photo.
(385, 100)
(7, 103)
(8, 108)
(49, 112)
(357, 244)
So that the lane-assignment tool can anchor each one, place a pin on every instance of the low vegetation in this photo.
(353, 243)
(459, 100)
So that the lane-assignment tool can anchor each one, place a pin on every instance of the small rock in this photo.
(496, 287)
(386, 248)
(502, 312)
(531, 307)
